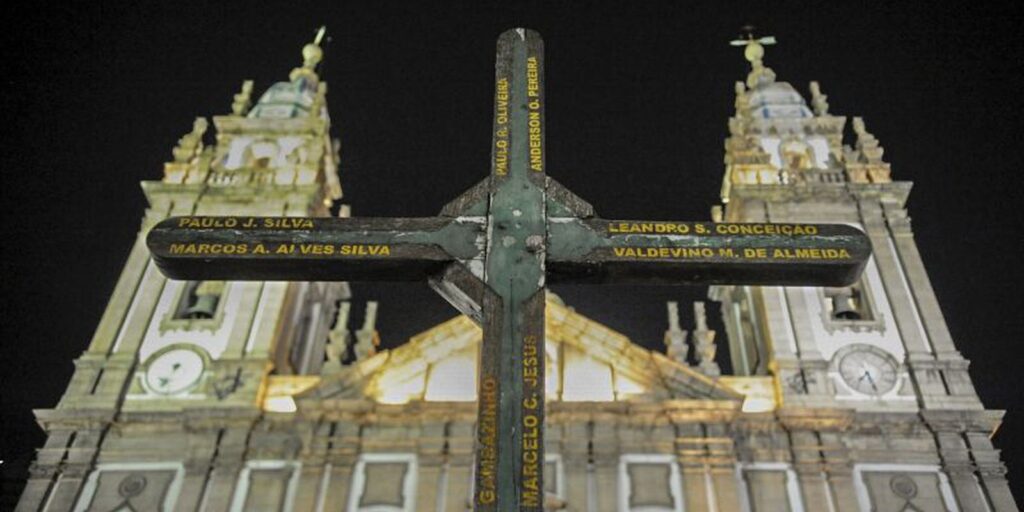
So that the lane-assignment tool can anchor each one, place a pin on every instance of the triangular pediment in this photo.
(586, 362)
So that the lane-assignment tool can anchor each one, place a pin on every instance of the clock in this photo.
(174, 370)
(868, 370)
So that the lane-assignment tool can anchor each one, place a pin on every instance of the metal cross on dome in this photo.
(491, 253)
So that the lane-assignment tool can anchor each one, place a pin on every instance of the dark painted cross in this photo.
(491, 253)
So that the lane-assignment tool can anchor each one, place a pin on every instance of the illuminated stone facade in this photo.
(237, 396)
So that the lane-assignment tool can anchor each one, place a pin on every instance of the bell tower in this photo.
(193, 359)
(873, 355)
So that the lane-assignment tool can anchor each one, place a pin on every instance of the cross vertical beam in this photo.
(510, 442)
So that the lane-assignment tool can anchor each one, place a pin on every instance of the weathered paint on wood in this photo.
(510, 443)
(320, 249)
(667, 252)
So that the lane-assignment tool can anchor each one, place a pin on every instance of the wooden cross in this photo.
(491, 253)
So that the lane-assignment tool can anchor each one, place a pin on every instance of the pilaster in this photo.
(992, 472)
(807, 375)
(576, 459)
(247, 312)
(121, 299)
(458, 493)
(227, 466)
(839, 472)
(311, 476)
(920, 359)
(920, 285)
(431, 458)
(339, 480)
(691, 451)
(45, 469)
(79, 463)
(722, 467)
(606, 464)
(313, 464)
(193, 484)
(958, 466)
(807, 464)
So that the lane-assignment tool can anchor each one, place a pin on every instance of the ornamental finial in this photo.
(753, 51)
(312, 54)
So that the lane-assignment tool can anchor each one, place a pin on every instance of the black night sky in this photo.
(96, 95)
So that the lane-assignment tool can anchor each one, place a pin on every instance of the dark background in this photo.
(95, 96)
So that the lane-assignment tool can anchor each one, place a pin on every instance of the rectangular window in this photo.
(769, 486)
(903, 487)
(131, 486)
(554, 479)
(650, 483)
(384, 482)
(266, 485)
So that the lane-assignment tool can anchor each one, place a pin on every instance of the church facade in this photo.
(238, 396)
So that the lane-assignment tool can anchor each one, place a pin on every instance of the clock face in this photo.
(868, 370)
(174, 371)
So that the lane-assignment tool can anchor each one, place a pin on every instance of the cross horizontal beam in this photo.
(603, 251)
(312, 249)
